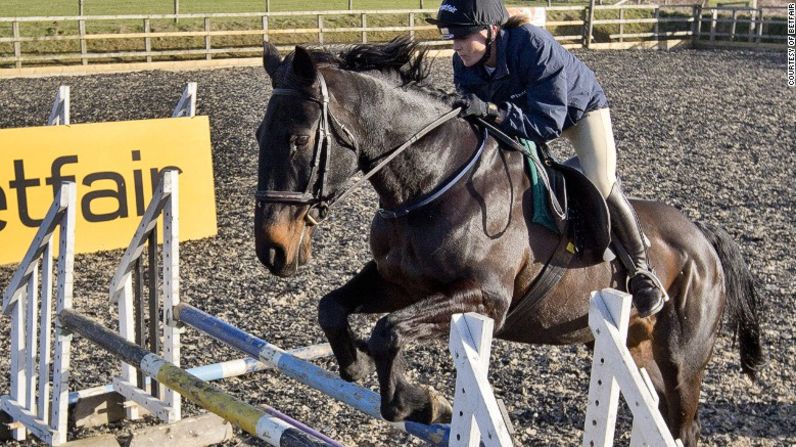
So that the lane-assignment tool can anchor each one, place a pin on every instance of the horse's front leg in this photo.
(426, 319)
(364, 293)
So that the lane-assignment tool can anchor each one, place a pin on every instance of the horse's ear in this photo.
(303, 65)
(271, 59)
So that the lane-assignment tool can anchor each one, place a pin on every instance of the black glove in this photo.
(473, 106)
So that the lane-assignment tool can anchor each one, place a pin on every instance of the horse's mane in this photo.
(402, 57)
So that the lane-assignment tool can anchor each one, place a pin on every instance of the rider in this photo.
(517, 76)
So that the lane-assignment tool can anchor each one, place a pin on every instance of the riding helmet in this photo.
(459, 18)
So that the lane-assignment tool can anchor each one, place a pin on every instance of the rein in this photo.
(318, 197)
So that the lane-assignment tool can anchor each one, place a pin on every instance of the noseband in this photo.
(317, 194)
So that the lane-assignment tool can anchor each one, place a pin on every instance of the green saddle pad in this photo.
(541, 200)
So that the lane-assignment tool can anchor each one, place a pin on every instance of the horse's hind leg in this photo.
(684, 335)
(426, 319)
(364, 293)
(682, 397)
(654, 373)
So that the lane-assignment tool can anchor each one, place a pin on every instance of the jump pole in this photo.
(218, 371)
(255, 421)
(303, 371)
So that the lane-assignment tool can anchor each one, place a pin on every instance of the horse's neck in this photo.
(390, 117)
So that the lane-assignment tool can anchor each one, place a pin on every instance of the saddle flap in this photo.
(588, 212)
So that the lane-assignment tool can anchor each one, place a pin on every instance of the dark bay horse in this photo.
(473, 249)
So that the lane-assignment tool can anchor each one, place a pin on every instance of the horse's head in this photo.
(306, 155)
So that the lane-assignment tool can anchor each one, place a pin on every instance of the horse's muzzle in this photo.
(283, 248)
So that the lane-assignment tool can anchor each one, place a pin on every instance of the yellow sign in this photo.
(116, 167)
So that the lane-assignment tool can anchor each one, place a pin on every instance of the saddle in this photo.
(581, 216)
(578, 209)
(586, 211)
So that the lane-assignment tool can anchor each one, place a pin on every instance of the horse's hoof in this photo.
(441, 410)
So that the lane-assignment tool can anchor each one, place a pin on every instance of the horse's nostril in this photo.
(271, 256)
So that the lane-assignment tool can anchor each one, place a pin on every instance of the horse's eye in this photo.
(297, 142)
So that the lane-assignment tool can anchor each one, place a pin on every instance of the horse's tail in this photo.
(743, 301)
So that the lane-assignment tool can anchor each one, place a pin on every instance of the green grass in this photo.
(11, 8)
(121, 7)
(21, 8)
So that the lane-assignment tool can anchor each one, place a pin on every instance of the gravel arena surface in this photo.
(710, 132)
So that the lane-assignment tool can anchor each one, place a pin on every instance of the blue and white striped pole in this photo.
(217, 371)
(303, 371)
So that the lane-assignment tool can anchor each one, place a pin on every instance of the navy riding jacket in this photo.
(543, 87)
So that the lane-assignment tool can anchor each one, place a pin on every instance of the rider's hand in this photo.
(472, 106)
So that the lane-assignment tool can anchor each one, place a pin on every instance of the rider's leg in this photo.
(593, 139)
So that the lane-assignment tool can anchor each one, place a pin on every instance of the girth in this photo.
(551, 274)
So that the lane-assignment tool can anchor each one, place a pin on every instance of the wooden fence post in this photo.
(265, 28)
(364, 26)
(713, 17)
(752, 22)
(589, 25)
(83, 44)
(696, 27)
(147, 40)
(208, 44)
(17, 44)
(176, 11)
(761, 22)
(320, 29)
(657, 27)
(412, 25)
(621, 25)
(732, 27)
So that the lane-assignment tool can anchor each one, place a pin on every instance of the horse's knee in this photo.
(384, 340)
(331, 313)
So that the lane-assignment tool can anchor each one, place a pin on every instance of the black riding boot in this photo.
(648, 294)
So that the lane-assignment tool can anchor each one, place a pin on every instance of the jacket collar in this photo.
(501, 65)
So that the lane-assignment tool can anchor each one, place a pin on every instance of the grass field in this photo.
(142, 7)
(11, 8)
(15, 8)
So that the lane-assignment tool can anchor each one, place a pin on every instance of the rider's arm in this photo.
(540, 113)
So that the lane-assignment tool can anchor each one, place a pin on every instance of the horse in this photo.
(454, 234)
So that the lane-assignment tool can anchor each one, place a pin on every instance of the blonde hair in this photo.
(516, 21)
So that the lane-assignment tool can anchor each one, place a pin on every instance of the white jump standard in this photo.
(275, 430)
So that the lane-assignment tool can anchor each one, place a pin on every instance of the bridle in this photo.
(317, 194)
(316, 197)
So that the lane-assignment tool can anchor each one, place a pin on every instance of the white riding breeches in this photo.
(593, 138)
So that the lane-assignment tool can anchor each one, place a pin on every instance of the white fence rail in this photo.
(575, 26)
